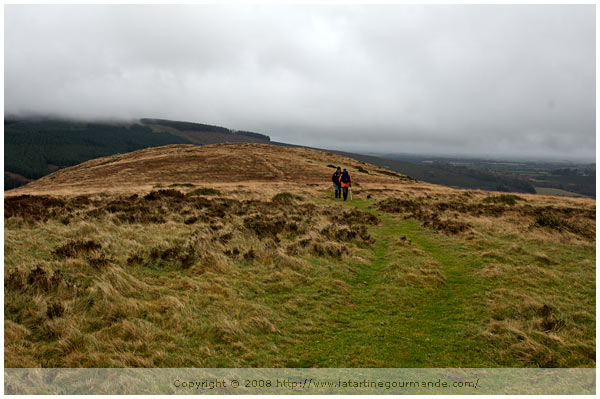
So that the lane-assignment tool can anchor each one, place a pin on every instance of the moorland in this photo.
(237, 255)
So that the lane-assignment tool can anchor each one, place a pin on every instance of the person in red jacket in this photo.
(345, 182)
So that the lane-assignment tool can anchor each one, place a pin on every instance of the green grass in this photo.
(557, 192)
(415, 297)
(376, 323)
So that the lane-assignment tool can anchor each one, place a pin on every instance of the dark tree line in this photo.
(200, 127)
(33, 149)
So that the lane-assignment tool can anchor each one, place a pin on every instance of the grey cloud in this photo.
(496, 79)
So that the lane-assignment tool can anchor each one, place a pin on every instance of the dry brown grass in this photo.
(230, 166)
(120, 282)
(131, 266)
(532, 261)
(539, 330)
(458, 211)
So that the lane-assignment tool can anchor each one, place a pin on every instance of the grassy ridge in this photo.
(410, 279)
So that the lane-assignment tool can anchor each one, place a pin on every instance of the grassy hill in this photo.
(238, 256)
(33, 149)
(36, 148)
(228, 163)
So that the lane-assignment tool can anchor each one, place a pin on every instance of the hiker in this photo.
(336, 182)
(345, 182)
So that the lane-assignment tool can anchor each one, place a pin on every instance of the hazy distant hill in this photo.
(35, 148)
(448, 176)
(201, 134)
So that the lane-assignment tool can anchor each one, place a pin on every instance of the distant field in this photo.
(531, 173)
(557, 191)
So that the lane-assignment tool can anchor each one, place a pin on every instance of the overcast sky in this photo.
(473, 80)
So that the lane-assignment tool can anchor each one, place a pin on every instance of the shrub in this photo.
(507, 199)
(98, 262)
(177, 255)
(285, 197)
(72, 248)
(38, 277)
(13, 281)
(265, 227)
(54, 310)
(135, 259)
(550, 220)
(191, 220)
(155, 195)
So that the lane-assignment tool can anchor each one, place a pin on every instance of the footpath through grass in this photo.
(388, 321)
(169, 280)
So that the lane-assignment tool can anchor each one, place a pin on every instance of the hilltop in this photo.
(34, 148)
(219, 164)
(236, 255)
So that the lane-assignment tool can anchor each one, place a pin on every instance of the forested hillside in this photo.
(209, 134)
(35, 149)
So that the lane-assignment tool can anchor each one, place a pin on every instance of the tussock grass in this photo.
(539, 331)
(256, 276)
(285, 197)
(508, 199)
(204, 191)
(121, 290)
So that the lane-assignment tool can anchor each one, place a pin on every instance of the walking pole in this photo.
(350, 188)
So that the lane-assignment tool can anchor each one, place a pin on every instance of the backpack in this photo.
(335, 177)
(345, 178)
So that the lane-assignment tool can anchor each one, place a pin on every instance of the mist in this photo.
(494, 80)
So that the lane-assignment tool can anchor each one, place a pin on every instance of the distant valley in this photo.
(36, 148)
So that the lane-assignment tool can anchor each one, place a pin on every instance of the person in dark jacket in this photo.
(345, 182)
(336, 182)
